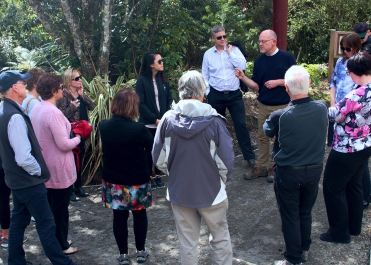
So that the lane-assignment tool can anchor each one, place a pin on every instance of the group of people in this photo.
(38, 134)
(38, 165)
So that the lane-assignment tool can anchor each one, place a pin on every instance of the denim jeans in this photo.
(33, 201)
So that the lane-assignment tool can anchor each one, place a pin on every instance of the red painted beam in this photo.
(280, 14)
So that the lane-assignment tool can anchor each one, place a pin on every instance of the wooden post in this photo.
(280, 13)
(331, 53)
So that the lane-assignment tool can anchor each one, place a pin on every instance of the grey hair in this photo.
(192, 83)
(297, 79)
(216, 29)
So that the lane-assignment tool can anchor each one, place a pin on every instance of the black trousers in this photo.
(78, 182)
(120, 229)
(343, 194)
(366, 183)
(233, 101)
(4, 202)
(149, 155)
(296, 192)
(59, 199)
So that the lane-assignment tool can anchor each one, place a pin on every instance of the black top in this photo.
(147, 99)
(271, 68)
(15, 176)
(300, 131)
(123, 144)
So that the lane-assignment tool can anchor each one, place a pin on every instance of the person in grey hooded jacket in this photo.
(193, 147)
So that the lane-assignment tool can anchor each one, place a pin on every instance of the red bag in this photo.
(83, 128)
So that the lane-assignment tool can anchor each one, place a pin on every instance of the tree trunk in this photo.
(106, 37)
(87, 64)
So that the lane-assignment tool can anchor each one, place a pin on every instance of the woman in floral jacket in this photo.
(342, 183)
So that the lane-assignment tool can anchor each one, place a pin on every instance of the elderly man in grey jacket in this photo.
(193, 146)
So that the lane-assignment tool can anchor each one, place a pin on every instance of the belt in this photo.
(304, 167)
(224, 92)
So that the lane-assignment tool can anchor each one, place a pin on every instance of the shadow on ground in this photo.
(253, 219)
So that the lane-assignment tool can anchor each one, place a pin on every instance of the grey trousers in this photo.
(188, 224)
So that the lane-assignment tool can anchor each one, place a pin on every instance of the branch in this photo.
(44, 19)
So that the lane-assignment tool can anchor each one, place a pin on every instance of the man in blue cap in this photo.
(363, 31)
(25, 173)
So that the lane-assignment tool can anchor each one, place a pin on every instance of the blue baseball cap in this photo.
(9, 78)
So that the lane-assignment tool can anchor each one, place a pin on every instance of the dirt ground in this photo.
(253, 218)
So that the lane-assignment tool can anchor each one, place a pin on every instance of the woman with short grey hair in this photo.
(193, 135)
(191, 85)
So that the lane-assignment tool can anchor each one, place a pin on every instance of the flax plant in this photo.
(101, 93)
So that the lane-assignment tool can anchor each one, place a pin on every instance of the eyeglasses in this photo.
(160, 61)
(220, 37)
(346, 49)
(62, 87)
(77, 78)
(263, 41)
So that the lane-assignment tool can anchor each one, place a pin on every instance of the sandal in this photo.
(69, 242)
(70, 251)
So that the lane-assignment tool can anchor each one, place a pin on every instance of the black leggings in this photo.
(149, 155)
(120, 229)
(4, 202)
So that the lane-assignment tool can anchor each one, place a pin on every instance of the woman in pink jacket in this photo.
(52, 130)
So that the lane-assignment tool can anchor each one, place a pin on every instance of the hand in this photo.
(157, 121)
(229, 48)
(239, 73)
(78, 135)
(271, 84)
(80, 90)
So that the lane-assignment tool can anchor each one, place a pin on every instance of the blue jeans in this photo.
(33, 201)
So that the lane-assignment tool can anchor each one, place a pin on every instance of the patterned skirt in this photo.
(126, 197)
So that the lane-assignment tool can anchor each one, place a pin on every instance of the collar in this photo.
(301, 100)
(216, 50)
(13, 103)
(274, 53)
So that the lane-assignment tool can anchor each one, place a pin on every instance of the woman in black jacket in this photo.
(126, 184)
(154, 100)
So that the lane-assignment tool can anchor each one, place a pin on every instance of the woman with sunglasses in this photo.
(351, 148)
(52, 130)
(154, 100)
(75, 105)
(341, 83)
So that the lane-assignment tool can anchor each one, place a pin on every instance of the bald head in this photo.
(267, 41)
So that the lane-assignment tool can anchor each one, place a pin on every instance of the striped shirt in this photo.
(218, 69)
(18, 139)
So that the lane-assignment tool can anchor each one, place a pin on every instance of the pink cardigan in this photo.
(52, 130)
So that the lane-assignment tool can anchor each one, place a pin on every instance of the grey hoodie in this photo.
(193, 147)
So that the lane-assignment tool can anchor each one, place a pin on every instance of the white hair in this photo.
(192, 83)
(297, 79)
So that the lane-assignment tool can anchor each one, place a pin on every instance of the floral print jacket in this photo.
(352, 121)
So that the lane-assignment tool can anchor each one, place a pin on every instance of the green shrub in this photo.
(101, 93)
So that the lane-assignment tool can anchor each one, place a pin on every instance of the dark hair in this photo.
(353, 41)
(366, 48)
(126, 104)
(360, 64)
(148, 59)
(35, 75)
(48, 84)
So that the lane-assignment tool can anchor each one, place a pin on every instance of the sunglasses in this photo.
(77, 78)
(220, 37)
(346, 49)
(160, 61)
